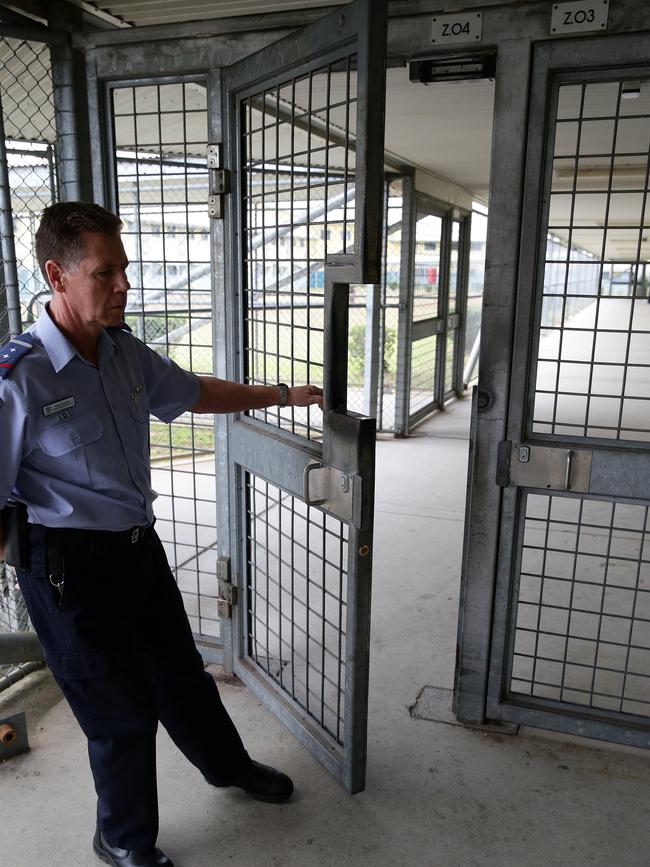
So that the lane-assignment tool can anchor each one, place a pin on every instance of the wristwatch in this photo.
(284, 394)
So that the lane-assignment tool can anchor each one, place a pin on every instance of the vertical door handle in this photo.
(567, 470)
(306, 484)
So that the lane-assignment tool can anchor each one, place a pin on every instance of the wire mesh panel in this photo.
(593, 369)
(582, 609)
(28, 147)
(299, 212)
(30, 135)
(160, 141)
(577, 643)
(424, 354)
(426, 283)
(296, 600)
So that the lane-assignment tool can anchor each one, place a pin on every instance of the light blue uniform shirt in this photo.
(74, 437)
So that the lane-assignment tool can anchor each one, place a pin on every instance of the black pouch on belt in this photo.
(16, 535)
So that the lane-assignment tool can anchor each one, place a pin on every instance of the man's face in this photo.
(95, 290)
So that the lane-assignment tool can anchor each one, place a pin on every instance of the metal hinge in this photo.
(551, 468)
(227, 598)
(218, 182)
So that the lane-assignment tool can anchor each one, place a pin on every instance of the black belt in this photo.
(38, 534)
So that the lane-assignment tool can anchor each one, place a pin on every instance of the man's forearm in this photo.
(221, 395)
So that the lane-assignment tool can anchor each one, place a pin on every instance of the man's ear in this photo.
(55, 275)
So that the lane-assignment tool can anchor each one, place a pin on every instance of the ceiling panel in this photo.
(143, 12)
(444, 128)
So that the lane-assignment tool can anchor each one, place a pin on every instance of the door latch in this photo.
(334, 491)
(552, 468)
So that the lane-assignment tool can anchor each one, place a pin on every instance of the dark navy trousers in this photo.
(118, 642)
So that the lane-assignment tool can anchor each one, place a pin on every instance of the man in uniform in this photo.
(76, 392)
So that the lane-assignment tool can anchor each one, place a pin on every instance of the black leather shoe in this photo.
(128, 857)
(264, 783)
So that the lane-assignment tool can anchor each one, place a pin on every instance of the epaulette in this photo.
(11, 354)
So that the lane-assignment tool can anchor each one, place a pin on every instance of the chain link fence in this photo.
(30, 134)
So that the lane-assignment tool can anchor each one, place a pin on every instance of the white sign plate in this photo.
(465, 27)
(579, 16)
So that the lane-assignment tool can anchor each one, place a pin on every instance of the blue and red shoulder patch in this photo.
(11, 354)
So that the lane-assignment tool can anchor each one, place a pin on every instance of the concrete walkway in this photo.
(438, 795)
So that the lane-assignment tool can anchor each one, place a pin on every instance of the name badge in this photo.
(66, 403)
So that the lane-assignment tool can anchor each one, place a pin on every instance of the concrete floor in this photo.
(438, 795)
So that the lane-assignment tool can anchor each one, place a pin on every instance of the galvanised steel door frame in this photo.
(266, 461)
(615, 471)
(490, 398)
(455, 322)
(435, 325)
(443, 324)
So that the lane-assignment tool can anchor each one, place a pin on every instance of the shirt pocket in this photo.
(67, 442)
(64, 438)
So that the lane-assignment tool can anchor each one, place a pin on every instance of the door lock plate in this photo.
(334, 491)
(555, 469)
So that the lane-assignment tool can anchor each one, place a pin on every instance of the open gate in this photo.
(305, 120)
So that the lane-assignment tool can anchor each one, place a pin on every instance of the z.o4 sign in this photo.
(466, 27)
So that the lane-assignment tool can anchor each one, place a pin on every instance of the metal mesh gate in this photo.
(593, 371)
(29, 137)
(297, 572)
(580, 615)
(298, 142)
(161, 185)
(298, 166)
(583, 612)
(304, 118)
(27, 151)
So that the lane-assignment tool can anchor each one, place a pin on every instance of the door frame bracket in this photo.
(334, 491)
(552, 468)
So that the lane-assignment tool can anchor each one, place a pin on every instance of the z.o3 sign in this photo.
(579, 16)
